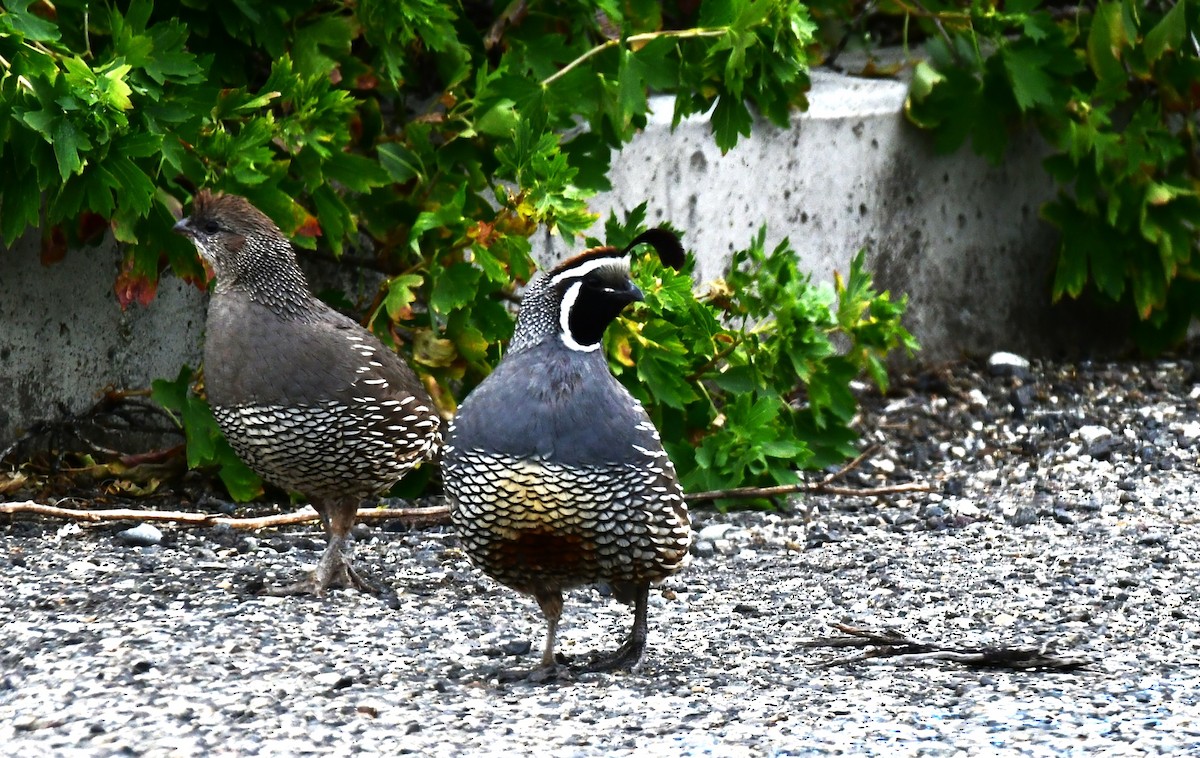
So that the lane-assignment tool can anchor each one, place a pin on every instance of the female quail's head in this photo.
(243, 247)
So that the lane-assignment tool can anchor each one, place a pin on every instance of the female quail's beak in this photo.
(182, 226)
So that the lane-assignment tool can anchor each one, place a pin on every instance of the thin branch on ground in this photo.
(825, 486)
(429, 516)
(898, 648)
(436, 515)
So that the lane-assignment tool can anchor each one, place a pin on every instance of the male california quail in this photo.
(307, 397)
(557, 477)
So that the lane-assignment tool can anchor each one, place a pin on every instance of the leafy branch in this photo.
(1112, 88)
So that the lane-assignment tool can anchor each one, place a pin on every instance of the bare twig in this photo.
(898, 648)
(633, 39)
(415, 516)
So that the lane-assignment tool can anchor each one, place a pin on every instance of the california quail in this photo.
(557, 477)
(308, 398)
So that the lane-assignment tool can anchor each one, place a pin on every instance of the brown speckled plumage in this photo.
(308, 398)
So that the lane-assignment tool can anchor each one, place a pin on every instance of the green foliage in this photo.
(1113, 87)
(433, 139)
(746, 381)
(206, 446)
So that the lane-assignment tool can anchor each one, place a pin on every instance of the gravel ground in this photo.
(1065, 514)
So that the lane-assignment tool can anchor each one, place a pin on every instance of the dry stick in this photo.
(415, 516)
(900, 649)
(441, 514)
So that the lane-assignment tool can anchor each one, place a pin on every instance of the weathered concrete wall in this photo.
(64, 339)
(960, 237)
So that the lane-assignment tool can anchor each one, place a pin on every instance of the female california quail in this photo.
(307, 397)
(556, 476)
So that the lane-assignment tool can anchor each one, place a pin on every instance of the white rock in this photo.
(714, 532)
(142, 535)
(1091, 433)
(1001, 361)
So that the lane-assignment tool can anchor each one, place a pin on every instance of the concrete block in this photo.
(961, 237)
(64, 339)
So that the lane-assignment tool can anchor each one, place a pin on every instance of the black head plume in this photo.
(665, 242)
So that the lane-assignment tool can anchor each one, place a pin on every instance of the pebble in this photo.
(142, 535)
(1008, 364)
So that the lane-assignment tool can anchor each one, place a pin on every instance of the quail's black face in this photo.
(591, 295)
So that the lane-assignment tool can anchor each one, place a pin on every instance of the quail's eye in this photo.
(211, 227)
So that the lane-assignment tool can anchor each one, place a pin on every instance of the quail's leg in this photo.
(551, 603)
(629, 653)
(334, 569)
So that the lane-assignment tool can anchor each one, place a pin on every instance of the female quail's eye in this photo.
(211, 227)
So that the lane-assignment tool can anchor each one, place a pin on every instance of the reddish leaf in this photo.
(54, 246)
(309, 227)
(483, 233)
(92, 227)
(133, 286)
(44, 9)
(366, 81)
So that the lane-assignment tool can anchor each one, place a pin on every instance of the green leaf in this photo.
(401, 293)
(444, 216)
(730, 119)
(1168, 33)
(454, 287)
(401, 164)
(924, 79)
(68, 142)
(1026, 71)
(25, 23)
(1105, 45)
(355, 172)
(242, 483)
(19, 206)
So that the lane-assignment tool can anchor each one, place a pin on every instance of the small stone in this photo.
(1091, 433)
(818, 535)
(142, 535)
(884, 465)
(1008, 364)
(703, 549)
(1063, 516)
(1024, 515)
(713, 532)
(517, 647)
(334, 680)
(1103, 448)
(1020, 399)
(1189, 433)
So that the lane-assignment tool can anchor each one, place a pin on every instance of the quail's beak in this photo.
(634, 294)
(182, 227)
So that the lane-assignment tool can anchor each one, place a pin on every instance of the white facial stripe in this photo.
(585, 268)
(564, 320)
